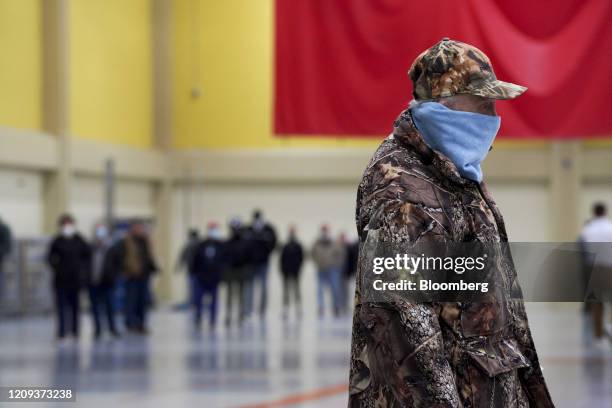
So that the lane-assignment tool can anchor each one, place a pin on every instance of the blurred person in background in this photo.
(6, 244)
(238, 272)
(425, 184)
(185, 263)
(69, 257)
(350, 269)
(291, 259)
(329, 257)
(596, 237)
(263, 240)
(209, 261)
(102, 281)
(136, 265)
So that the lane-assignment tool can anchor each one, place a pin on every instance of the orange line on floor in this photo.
(302, 397)
(338, 389)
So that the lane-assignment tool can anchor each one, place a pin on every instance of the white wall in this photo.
(21, 201)
(132, 198)
(525, 207)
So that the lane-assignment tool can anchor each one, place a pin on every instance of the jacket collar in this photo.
(406, 133)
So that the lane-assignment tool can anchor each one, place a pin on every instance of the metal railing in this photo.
(25, 279)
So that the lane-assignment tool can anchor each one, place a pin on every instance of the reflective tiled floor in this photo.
(302, 365)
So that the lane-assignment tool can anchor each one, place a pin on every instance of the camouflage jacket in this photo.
(435, 354)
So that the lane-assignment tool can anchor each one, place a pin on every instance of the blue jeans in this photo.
(136, 303)
(191, 287)
(329, 277)
(201, 290)
(101, 299)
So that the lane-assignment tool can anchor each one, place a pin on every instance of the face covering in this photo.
(464, 137)
(68, 230)
(101, 233)
(214, 233)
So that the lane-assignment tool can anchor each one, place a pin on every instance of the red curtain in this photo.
(341, 65)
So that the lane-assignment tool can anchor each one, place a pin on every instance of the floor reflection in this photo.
(176, 366)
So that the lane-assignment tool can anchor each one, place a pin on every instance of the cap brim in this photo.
(496, 89)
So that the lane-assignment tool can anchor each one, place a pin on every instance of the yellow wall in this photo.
(20, 65)
(226, 47)
(111, 71)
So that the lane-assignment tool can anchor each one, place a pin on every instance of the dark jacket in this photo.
(352, 254)
(407, 354)
(187, 255)
(6, 241)
(209, 261)
(146, 264)
(104, 266)
(70, 261)
(292, 256)
(239, 250)
(239, 257)
(263, 242)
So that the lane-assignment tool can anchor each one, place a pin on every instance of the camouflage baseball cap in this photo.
(451, 67)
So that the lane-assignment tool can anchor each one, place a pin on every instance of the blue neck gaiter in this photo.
(464, 137)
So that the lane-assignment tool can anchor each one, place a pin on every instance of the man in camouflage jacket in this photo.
(438, 354)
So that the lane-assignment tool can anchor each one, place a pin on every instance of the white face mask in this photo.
(68, 230)
(101, 233)
(214, 233)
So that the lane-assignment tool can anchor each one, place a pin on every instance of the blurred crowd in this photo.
(242, 262)
(114, 270)
(101, 267)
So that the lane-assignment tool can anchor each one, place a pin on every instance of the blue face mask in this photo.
(464, 137)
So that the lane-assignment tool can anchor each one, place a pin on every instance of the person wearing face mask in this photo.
(209, 261)
(425, 184)
(102, 281)
(69, 257)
